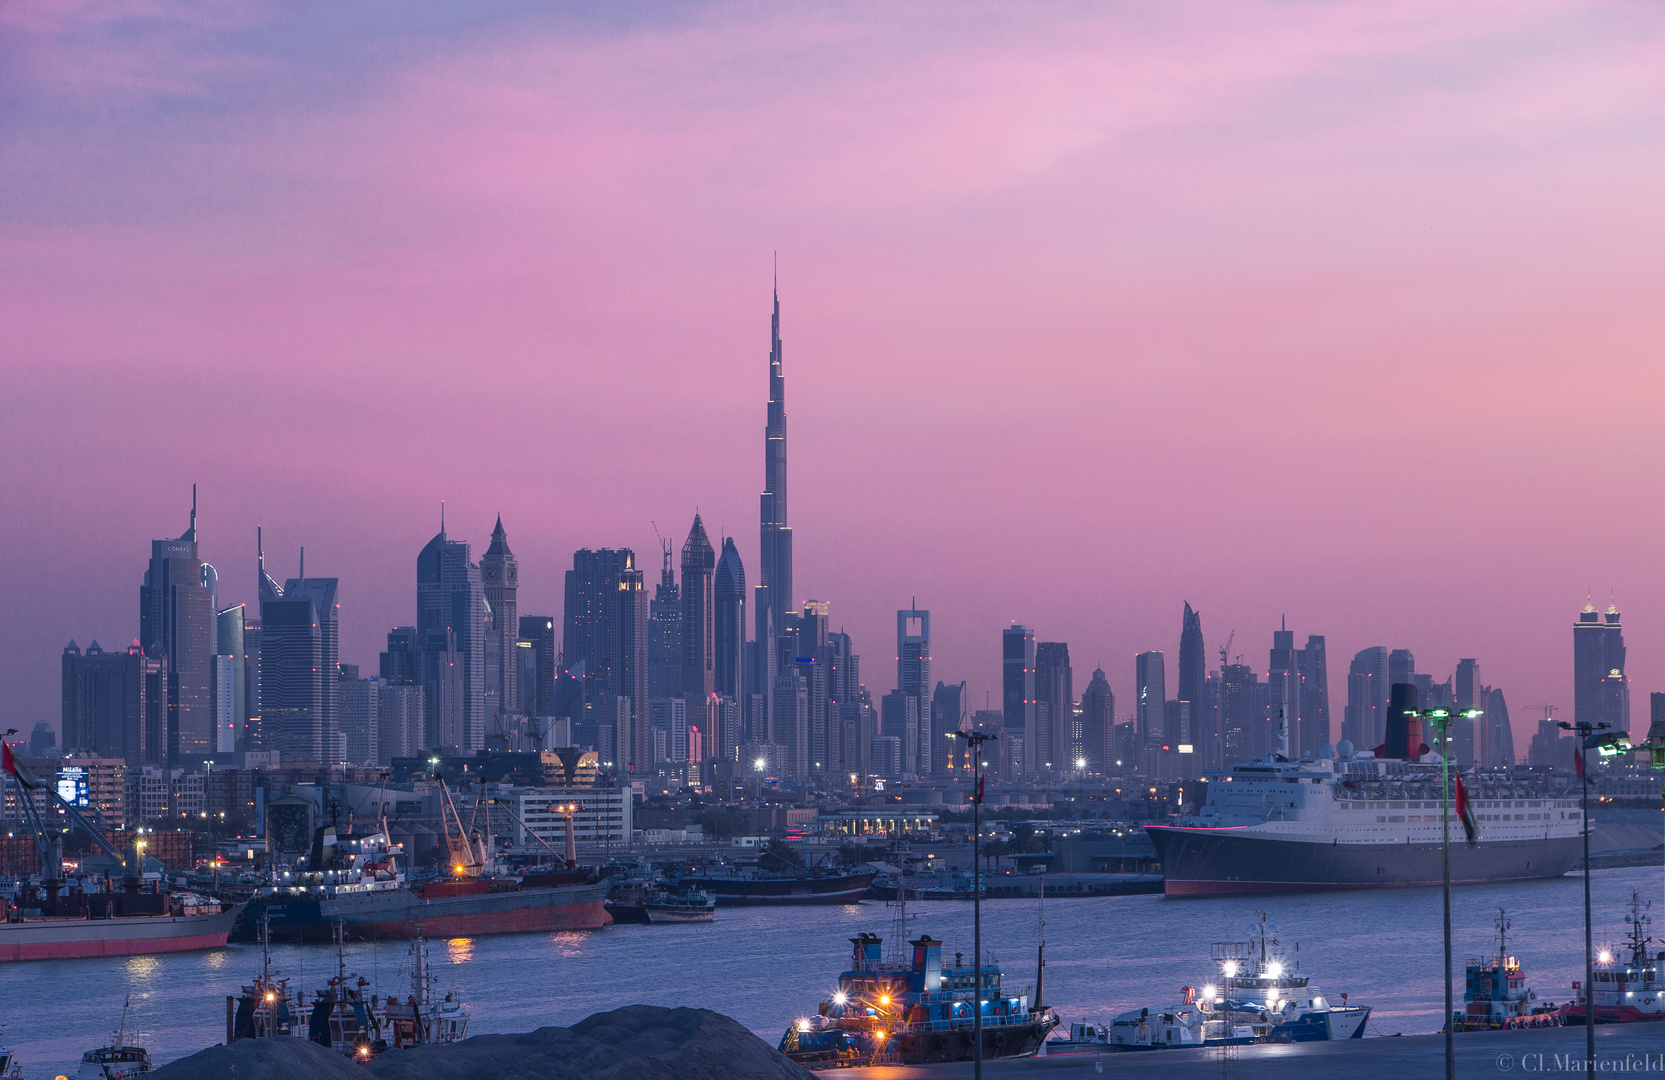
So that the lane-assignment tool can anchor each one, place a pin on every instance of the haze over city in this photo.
(1345, 315)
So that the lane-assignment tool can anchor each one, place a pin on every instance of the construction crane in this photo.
(1225, 651)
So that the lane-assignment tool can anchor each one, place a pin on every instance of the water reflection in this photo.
(459, 950)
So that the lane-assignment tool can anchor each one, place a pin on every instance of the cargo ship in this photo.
(1360, 820)
(738, 886)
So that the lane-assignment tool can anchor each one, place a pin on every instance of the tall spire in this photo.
(191, 533)
(267, 586)
(774, 590)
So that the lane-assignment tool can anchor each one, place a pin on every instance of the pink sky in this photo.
(1349, 312)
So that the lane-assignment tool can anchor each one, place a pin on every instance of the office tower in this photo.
(899, 719)
(115, 704)
(401, 664)
(1550, 749)
(886, 754)
(536, 685)
(1467, 689)
(948, 710)
(451, 625)
(605, 635)
(43, 741)
(699, 658)
(176, 618)
(499, 581)
(670, 716)
(728, 598)
(300, 650)
(812, 657)
(1314, 669)
(401, 723)
(1017, 682)
(1098, 724)
(361, 716)
(1054, 706)
(1193, 673)
(913, 660)
(323, 593)
(1500, 741)
(1600, 693)
(1363, 722)
(1150, 681)
(231, 695)
(1401, 668)
(774, 588)
(665, 632)
(1243, 724)
(253, 633)
(844, 668)
(1283, 693)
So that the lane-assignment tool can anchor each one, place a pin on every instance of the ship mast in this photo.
(1503, 926)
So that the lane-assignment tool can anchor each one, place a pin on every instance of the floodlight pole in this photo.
(1584, 737)
(974, 744)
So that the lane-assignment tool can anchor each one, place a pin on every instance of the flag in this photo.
(21, 771)
(1578, 758)
(980, 781)
(1465, 812)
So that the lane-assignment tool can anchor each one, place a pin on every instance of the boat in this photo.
(915, 1012)
(120, 1060)
(9, 1069)
(1495, 994)
(342, 1018)
(682, 906)
(736, 886)
(1625, 992)
(1347, 819)
(420, 1020)
(264, 1010)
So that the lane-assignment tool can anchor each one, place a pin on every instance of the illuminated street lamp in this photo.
(974, 743)
(1441, 719)
(1590, 737)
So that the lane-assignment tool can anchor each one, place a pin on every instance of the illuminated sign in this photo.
(72, 786)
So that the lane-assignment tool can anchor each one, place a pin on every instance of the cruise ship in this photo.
(1348, 819)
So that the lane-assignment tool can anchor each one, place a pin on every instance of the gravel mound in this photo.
(638, 1042)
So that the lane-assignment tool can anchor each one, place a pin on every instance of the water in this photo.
(766, 966)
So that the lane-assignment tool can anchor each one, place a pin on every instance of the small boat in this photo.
(1262, 984)
(420, 1020)
(9, 1070)
(1625, 992)
(686, 905)
(264, 1009)
(1495, 994)
(117, 1061)
(342, 1018)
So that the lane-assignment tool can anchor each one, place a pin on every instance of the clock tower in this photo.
(500, 577)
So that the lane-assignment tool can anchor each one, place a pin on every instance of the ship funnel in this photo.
(1404, 727)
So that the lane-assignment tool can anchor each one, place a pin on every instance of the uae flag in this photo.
(17, 768)
(1465, 812)
(980, 781)
(1578, 758)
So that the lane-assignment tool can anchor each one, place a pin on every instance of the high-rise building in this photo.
(1314, 669)
(774, 587)
(1150, 682)
(1055, 707)
(361, 716)
(538, 645)
(699, 656)
(665, 631)
(1017, 680)
(728, 598)
(401, 721)
(115, 704)
(1243, 722)
(1365, 721)
(1401, 668)
(1550, 749)
(899, 719)
(300, 651)
(605, 635)
(913, 678)
(176, 619)
(1283, 690)
(1193, 674)
(1600, 693)
(500, 581)
(1500, 736)
(231, 696)
(948, 711)
(1098, 724)
(451, 627)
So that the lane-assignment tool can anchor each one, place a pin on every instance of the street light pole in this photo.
(1441, 721)
(974, 745)
(1584, 737)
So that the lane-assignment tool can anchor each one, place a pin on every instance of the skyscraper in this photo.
(1314, 668)
(500, 581)
(948, 706)
(1500, 740)
(1017, 659)
(605, 635)
(300, 650)
(176, 617)
(1401, 669)
(1054, 706)
(699, 657)
(115, 704)
(536, 687)
(913, 677)
(231, 711)
(774, 588)
(1600, 693)
(665, 631)
(1098, 724)
(1364, 723)
(1150, 682)
(728, 598)
(1283, 694)
(451, 627)
(1193, 674)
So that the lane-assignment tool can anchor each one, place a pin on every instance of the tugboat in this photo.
(342, 1018)
(262, 1010)
(894, 1012)
(686, 905)
(1630, 992)
(118, 1061)
(8, 1069)
(1495, 994)
(421, 1021)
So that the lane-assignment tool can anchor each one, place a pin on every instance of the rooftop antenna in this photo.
(303, 566)
(442, 517)
(193, 511)
(260, 547)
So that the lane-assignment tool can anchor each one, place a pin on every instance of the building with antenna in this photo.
(450, 626)
(699, 659)
(176, 621)
(774, 609)
(500, 582)
(1600, 693)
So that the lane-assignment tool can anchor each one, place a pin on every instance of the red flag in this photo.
(1465, 812)
(17, 768)
(1578, 759)
(980, 781)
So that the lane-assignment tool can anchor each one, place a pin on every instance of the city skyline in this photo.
(944, 369)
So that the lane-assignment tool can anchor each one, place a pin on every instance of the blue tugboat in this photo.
(896, 1012)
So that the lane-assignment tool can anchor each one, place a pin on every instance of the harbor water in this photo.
(766, 966)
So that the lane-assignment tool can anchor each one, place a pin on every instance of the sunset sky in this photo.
(1350, 312)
